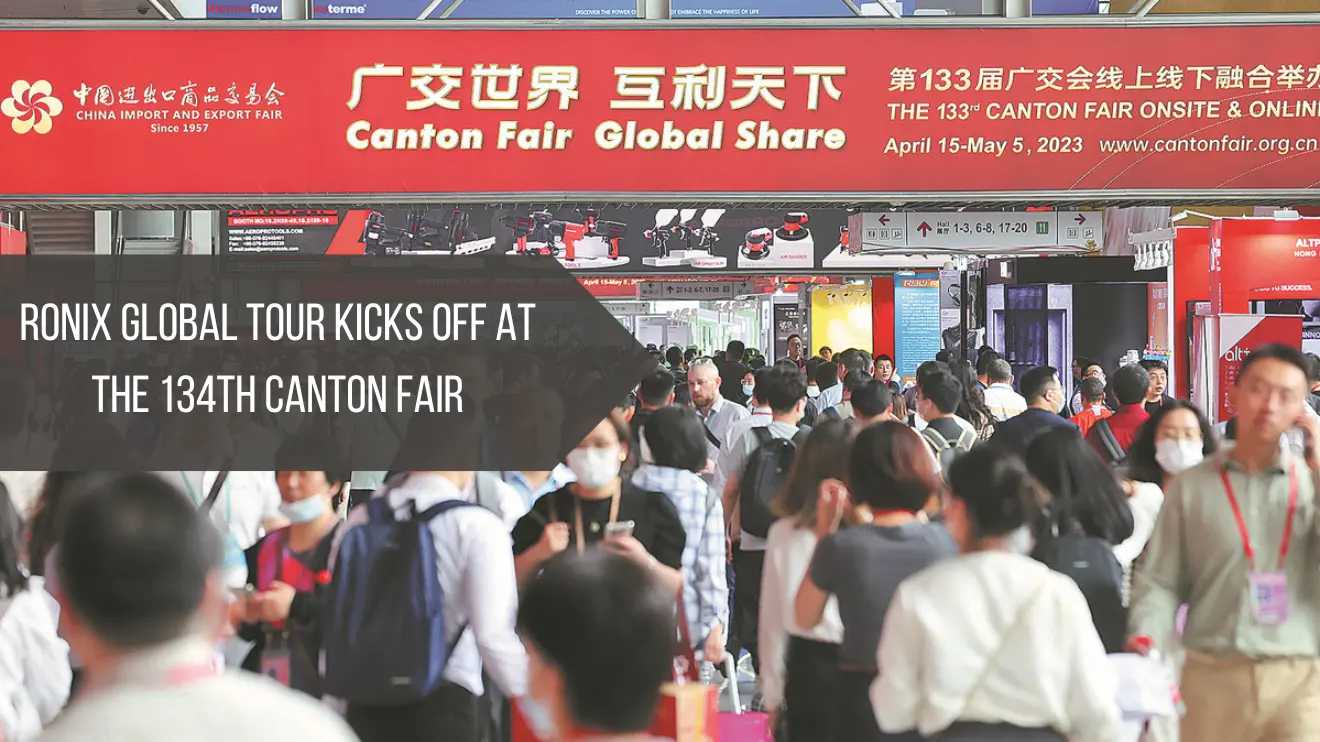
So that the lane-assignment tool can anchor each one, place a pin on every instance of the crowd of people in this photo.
(954, 558)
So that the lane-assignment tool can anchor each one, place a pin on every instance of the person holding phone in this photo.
(1236, 541)
(596, 509)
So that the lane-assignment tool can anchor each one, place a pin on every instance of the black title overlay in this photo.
(168, 363)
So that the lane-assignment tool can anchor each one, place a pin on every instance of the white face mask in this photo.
(813, 391)
(595, 467)
(1175, 456)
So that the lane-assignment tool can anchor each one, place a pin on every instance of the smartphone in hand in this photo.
(622, 528)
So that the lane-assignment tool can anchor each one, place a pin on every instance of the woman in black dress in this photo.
(602, 508)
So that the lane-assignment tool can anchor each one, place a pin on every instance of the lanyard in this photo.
(577, 516)
(229, 501)
(1242, 524)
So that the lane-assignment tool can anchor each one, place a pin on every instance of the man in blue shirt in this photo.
(1044, 394)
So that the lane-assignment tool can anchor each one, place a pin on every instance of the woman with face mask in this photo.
(287, 568)
(602, 508)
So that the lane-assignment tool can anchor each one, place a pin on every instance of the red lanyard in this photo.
(1242, 524)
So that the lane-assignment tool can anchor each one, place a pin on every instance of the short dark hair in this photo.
(1314, 374)
(735, 350)
(674, 356)
(810, 366)
(1277, 351)
(890, 468)
(1000, 494)
(883, 357)
(1131, 383)
(872, 398)
(138, 573)
(984, 360)
(943, 390)
(999, 371)
(855, 379)
(825, 348)
(826, 374)
(790, 337)
(656, 387)
(1092, 389)
(781, 389)
(310, 451)
(676, 438)
(608, 626)
(1035, 382)
(930, 367)
(690, 354)
(944, 356)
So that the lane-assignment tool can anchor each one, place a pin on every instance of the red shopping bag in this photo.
(746, 727)
(688, 712)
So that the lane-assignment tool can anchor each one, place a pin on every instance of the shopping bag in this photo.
(745, 727)
(688, 712)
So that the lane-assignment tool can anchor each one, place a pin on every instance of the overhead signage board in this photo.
(760, 9)
(473, 9)
(237, 10)
(882, 234)
(693, 290)
(541, 113)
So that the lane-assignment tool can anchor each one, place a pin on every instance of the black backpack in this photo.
(1114, 453)
(1091, 563)
(766, 473)
(944, 449)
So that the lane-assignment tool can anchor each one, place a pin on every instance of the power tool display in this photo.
(422, 236)
(592, 243)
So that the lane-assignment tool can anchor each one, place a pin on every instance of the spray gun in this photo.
(704, 230)
(660, 233)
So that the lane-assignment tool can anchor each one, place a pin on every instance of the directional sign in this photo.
(981, 231)
(698, 290)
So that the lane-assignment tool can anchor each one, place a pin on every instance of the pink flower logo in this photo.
(31, 107)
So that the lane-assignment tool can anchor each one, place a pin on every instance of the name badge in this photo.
(1270, 604)
(275, 659)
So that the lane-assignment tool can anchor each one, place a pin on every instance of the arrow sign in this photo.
(924, 228)
(1080, 219)
(884, 220)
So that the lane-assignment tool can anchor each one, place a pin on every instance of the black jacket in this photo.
(1017, 432)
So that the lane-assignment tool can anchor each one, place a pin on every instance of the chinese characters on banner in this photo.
(546, 112)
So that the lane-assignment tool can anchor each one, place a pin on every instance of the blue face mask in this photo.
(748, 389)
(538, 718)
(303, 511)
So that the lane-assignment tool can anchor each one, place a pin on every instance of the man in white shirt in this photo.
(1000, 397)
(717, 413)
(143, 600)
(474, 562)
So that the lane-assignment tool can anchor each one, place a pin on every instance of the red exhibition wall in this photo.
(882, 316)
(1260, 259)
(648, 112)
(1191, 282)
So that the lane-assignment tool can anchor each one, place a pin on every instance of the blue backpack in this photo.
(384, 638)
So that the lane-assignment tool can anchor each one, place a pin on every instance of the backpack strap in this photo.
(485, 491)
(1109, 441)
(966, 439)
(832, 413)
(936, 439)
(214, 494)
(763, 435)
(440, 508)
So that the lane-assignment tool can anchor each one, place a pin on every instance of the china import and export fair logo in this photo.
(31, 107)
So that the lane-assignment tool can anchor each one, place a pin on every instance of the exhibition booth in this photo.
(1238, 284)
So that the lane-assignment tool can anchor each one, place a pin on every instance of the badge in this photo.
(275, 665)
(1270, 604)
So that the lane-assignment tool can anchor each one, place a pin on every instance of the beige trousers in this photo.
(1243, 700)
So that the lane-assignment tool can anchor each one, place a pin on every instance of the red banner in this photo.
(647, 112)
(1239, 334)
